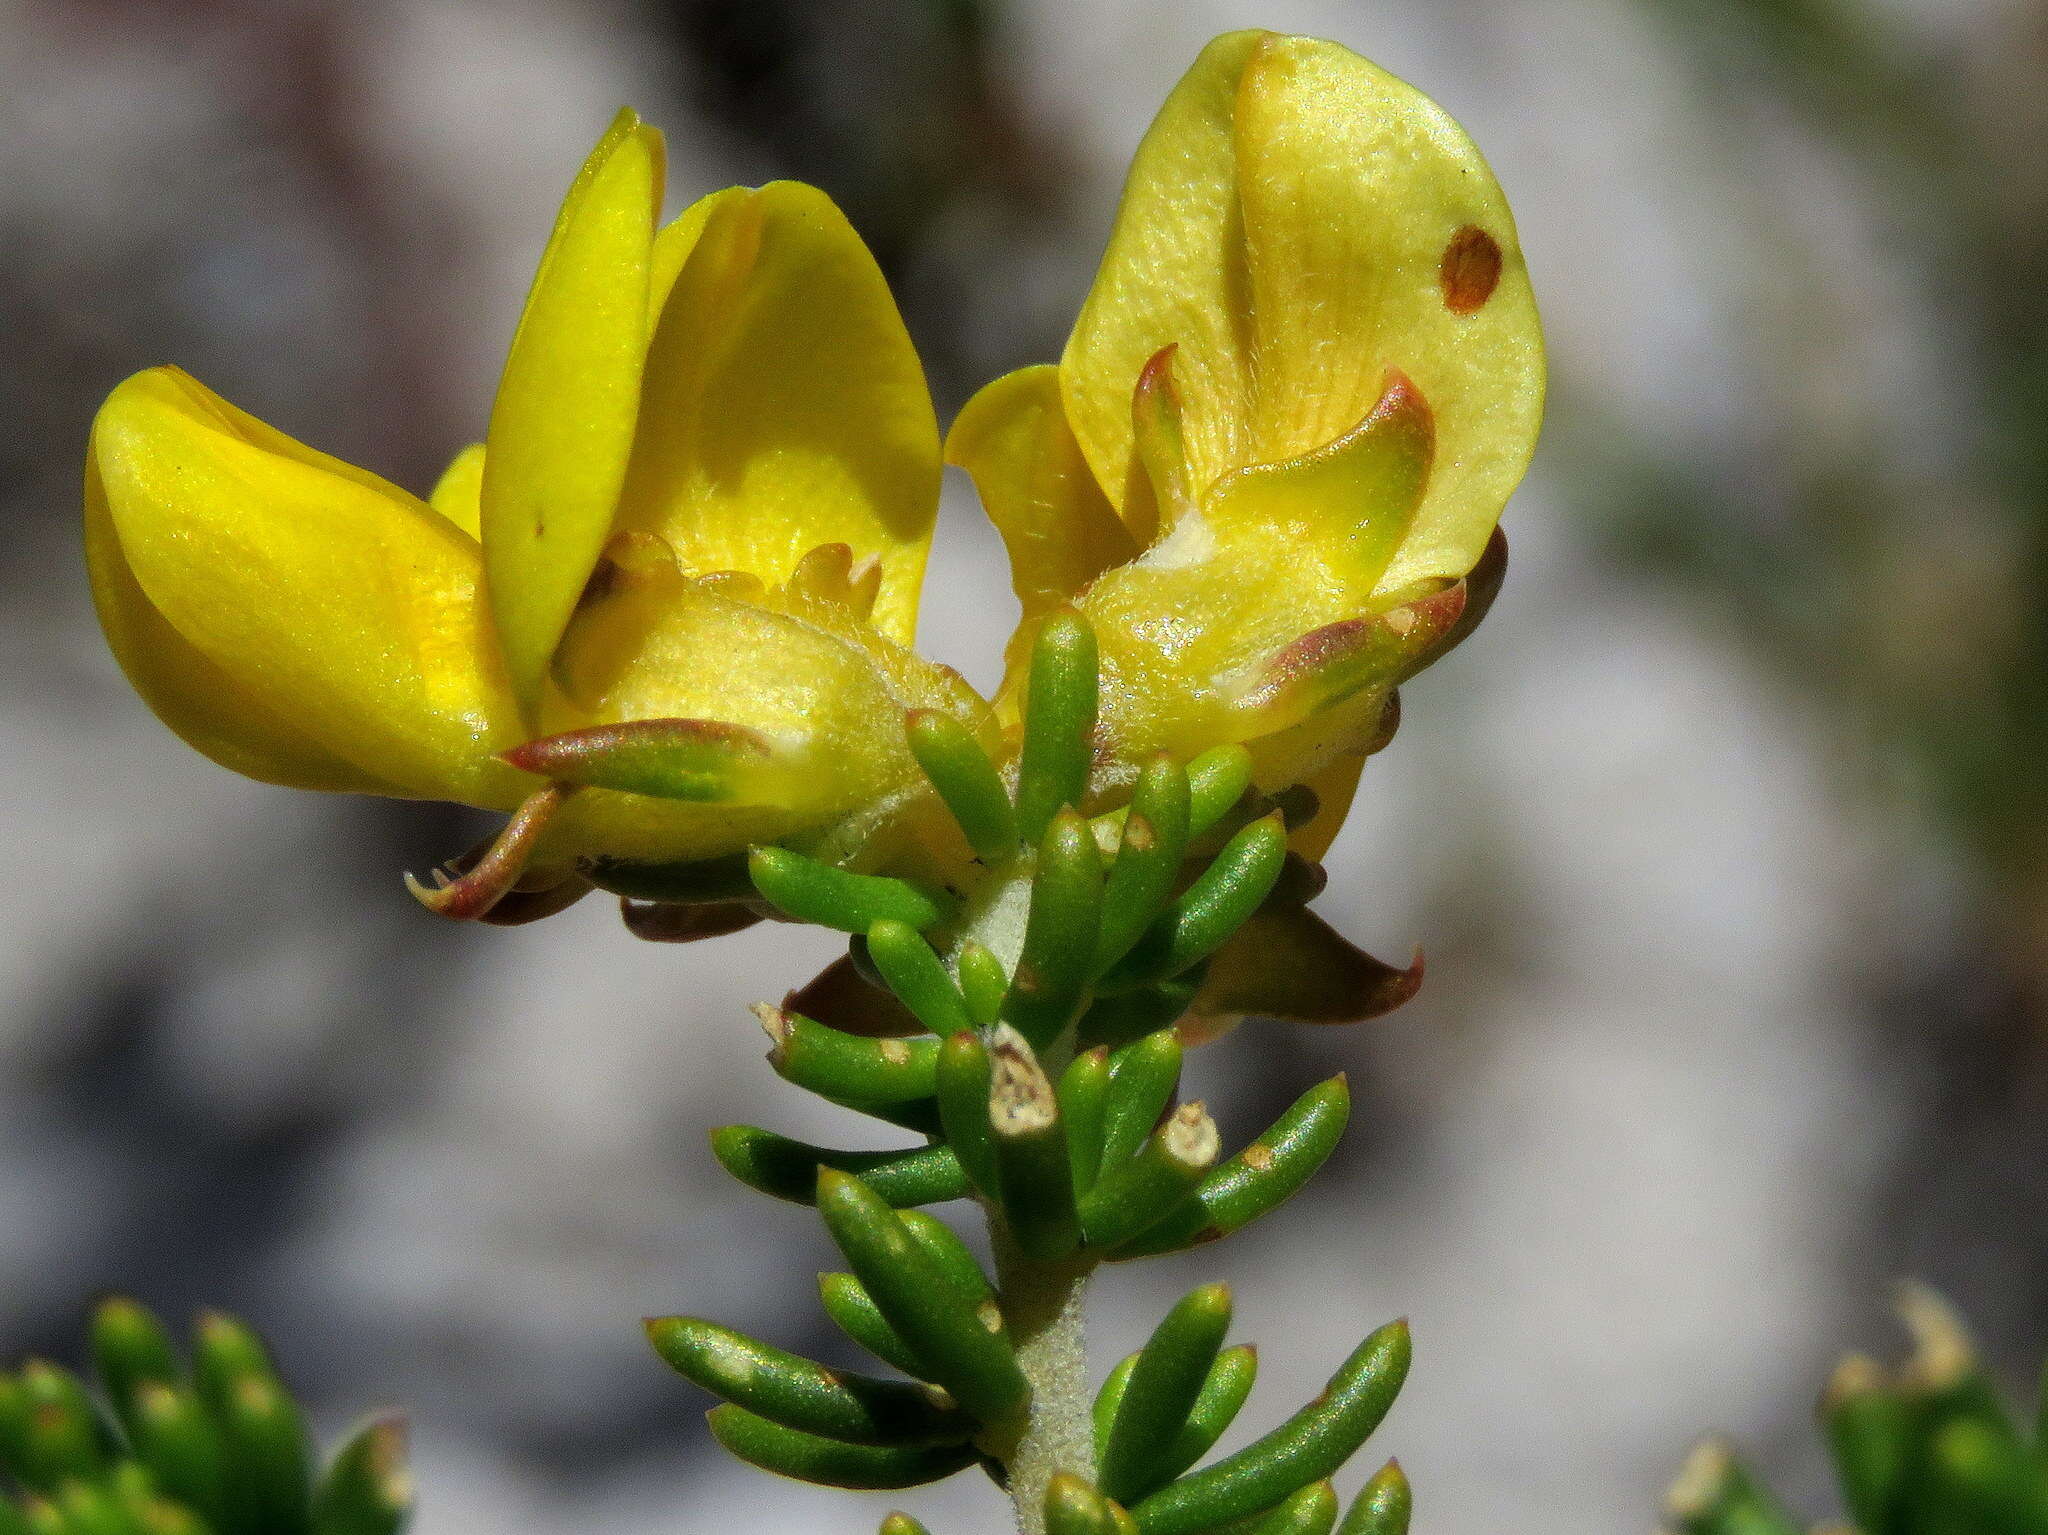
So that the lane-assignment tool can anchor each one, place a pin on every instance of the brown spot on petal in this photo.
(1470, 270)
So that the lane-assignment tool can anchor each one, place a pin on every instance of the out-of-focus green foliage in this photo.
(1927, 1449)
(212, 1444)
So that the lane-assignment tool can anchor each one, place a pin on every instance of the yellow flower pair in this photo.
(683, 568)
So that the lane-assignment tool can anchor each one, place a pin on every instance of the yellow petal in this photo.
(457, 493)
(562, 425)
(1335, 517)
(332, 600)
(1173, 275)
(784, 406)
(194, 697)
(1274, 552)
(1300, 223)
(673, 243)
(1059, 529)
(1377, 238)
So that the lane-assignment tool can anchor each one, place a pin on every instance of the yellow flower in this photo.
(705, 499)
(1306, 379)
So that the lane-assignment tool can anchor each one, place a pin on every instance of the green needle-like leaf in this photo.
(1981, 1478)
(1216, 1407)
(130, 1346)
(1059, 723)
(1307, 1448)
(1871, 1430)
(1217, 780)
(270, 1459)
(1259, 1179)
(1220, 901)
(845, 1067)
(1053, 973)
(153, 1515)
(964, 1353)
(1714, 1495)
(1072, 1507)
(64, 1437)
(799, 1393)
(1985, 1480)
(788, 1169)
(1312, 1511)
(14, 1414)
(1134, 1196)
(1108, 1401)
(853, 1312)
(367, 1490)
(705, 761)
(962, 1079)
(90, 1510)
(1161, 1391)
(828, 1462)
(962, 1270)
(176, 1438)
(1141, 880)
(1382, 1506)
(916, 974)
(1034, 1170)
(1944, 1379)
(225, 1352)
(967, 781)
(1142, 1079)
(816, 892)
(1084, 1095)
(983, 982)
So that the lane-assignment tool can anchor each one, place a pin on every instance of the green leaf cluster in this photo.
(1044, 1084)
(173, 1443)
(1928, 1448)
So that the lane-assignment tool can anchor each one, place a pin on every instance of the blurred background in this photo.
(1728, 836)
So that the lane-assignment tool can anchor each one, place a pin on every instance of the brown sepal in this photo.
(840, 997)
(522, 906)
(1482, 585)
(1299, 883)
(1288, 963)
(670, 922)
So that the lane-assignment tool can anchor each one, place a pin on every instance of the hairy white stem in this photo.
(1042, 1306)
